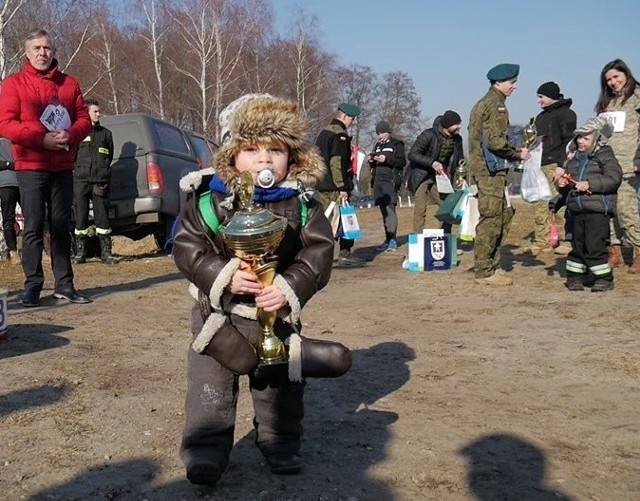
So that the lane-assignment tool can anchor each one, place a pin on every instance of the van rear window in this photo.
(170, 138)
(202, 149)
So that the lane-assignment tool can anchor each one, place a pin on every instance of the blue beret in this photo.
(504, 71)
(349, 109)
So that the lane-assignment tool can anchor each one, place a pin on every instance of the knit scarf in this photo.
(260, 195)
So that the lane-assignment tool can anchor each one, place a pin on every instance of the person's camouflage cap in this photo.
(502, 72)
(349, 109)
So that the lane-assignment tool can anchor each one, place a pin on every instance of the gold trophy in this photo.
(529, 139)
(460, 175)
(529, 133)
(253, 235)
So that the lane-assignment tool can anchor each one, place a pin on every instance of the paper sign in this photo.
(443, 184)
(55, 117)
(615, 118)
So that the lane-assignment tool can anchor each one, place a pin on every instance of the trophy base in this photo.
(271, 369)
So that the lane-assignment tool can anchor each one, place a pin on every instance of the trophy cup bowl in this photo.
(529, 136)
(253, 234)
(460, 175)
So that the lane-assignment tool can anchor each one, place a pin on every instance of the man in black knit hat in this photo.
(437, 150)
(556, 123)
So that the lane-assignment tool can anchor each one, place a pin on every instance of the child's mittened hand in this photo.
(582, 186)
(557, 174)
(271, 299)
(244, 282)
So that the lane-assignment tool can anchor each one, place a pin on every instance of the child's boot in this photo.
(574, 283)
(284, 464)
(602, 285)
(203, 471)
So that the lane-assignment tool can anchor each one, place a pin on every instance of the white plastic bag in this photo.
(470, 218)
(534, 186)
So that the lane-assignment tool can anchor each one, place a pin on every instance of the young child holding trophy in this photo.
(233, 308)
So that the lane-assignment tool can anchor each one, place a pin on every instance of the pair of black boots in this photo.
(578, 283)
(105, 250)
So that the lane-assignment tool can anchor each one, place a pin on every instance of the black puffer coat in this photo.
(425, 151)
(604, 174)
(556, 123)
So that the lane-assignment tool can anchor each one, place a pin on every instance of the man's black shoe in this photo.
(71, 295)
(31, 298)
(283, 464)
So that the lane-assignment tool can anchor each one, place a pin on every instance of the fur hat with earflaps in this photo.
(225, 115)
(600, 125)
(264, 121)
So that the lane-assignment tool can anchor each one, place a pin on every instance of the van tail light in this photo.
(155, 180)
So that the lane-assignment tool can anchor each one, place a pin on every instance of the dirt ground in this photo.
(457, 392)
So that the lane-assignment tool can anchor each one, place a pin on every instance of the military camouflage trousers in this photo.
(626, 224)
(496, 215)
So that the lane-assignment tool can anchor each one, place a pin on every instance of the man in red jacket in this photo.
(43, 114)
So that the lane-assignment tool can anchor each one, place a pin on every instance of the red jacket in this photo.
(23, 97)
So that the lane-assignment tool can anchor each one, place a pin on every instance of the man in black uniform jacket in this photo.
(92, 176)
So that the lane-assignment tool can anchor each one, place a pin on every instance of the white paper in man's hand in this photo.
(443, 183)
(55, 117)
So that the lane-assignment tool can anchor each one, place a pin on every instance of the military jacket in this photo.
(489, 121)
(335, 147)
(626, 143)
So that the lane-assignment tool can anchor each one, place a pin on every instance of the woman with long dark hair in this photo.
(619, 102)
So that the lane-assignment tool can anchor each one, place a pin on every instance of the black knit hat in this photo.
(550, 89)
(383, 126)
(450, 118)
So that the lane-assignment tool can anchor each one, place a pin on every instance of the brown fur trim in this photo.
(262, 121)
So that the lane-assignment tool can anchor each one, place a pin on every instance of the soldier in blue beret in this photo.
(489, 157)
(503, 72)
